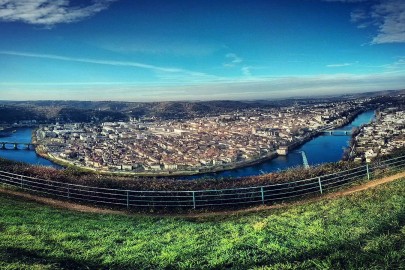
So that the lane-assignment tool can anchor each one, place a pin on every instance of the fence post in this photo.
(21, 182)
(193, 199)
(368, 172)
(262, 191)
(68, 190)
(320, 184)
(127, 199)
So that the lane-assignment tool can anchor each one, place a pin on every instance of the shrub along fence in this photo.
(199, 199)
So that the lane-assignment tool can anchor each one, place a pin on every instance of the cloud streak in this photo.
(387, 15)
(252, 88)
(160, 45)
(104, 62)
(246, 71)
(340, 65)
(390, 17)
(232, 60)
(48, 12)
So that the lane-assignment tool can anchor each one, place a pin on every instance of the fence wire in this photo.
(194, 199)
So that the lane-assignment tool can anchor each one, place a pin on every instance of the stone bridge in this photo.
(337, 132)
(17, 146)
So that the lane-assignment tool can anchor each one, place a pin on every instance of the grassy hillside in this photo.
(362, 231)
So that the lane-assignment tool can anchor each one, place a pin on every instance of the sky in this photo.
(150, 50)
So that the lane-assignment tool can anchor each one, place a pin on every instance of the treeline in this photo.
(79, 111)
(10, 114)
(86, 111)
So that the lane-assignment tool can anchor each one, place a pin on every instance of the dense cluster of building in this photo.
(183, 145)
(381, 136)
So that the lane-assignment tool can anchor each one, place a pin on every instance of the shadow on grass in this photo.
(29, 257)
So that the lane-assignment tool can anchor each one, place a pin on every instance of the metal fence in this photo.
(266, 194)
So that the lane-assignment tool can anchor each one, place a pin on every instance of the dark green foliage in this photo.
(79, 176)
(85, 116)
(11, 114)
(76, 175)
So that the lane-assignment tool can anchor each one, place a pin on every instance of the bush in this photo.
(75, 175)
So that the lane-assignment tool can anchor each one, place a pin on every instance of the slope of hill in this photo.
(113, 111)
(85, 111)
(365, 230)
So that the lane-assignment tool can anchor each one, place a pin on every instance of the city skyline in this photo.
(199, 50)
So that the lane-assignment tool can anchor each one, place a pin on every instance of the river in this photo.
(322, 149)
(23, 135)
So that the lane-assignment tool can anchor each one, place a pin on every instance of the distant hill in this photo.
(79, 111)
(86, 111)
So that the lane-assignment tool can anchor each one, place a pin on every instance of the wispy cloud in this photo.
(105, 62)
(246, 71)
(387, 15)
(341, 65)
(360, 17)
(161, 45)
(252, 88)
(390, 17)
(232, 60)
(48, 12)
(397, 66)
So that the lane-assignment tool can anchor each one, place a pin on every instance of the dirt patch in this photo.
(91, 209)
(60, 204)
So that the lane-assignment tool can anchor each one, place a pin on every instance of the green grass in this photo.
(362, 231)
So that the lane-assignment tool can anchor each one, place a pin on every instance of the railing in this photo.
(267, 194)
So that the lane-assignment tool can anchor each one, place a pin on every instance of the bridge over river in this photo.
(319, 150)
(337, 132)
(17, 146)
(304, 159)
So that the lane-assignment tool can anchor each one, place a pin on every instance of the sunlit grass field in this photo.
(361, 231)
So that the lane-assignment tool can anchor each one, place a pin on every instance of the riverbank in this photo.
(66, 163)
(312, 135)
(223, 168)
(318, 148)
(117, 181)
(209, 171)
(6, 132)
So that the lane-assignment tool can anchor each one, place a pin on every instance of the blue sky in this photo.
(199, 50)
